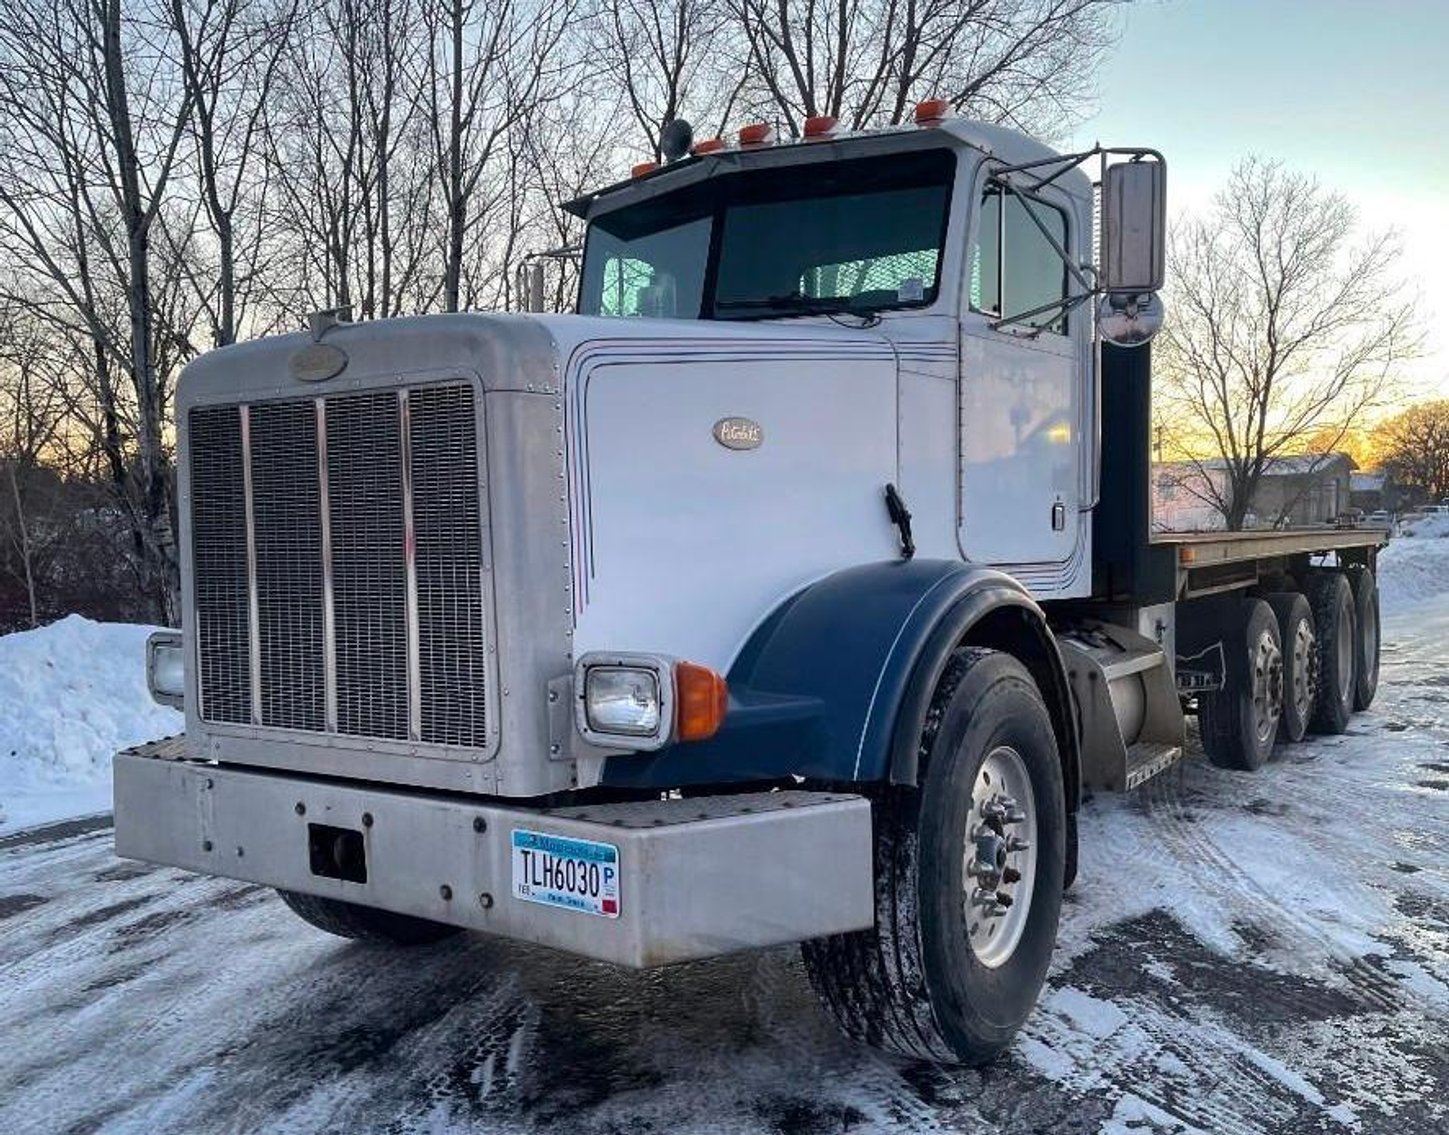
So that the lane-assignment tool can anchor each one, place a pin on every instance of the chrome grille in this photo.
(364, 477)
(288, 539)
(449, 541)
(219, 563)
(326, 626)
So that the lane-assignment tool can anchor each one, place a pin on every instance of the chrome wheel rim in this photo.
(1000, 857)
(1305, 669)
(1267, 667)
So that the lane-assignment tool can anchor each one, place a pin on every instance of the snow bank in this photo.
(71, 694)
(1415, 565)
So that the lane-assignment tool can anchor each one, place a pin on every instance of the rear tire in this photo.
(920, 983)
(1239, 723)
(1333, 616)
(366, 923)
(1366, 612)
(1300, 662)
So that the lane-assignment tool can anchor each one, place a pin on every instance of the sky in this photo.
(1356, 93)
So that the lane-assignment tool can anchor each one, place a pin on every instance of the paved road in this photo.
(1265, 953)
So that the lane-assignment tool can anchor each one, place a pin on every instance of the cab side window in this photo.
(1013, 266)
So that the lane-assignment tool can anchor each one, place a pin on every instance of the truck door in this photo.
(1021, 396)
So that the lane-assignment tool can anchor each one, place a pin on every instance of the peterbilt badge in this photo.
(738, 433)
(317, 362)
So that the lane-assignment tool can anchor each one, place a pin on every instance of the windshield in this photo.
(853, 236)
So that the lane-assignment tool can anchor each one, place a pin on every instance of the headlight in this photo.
(622, 699)
(645, 701)
(165, 668)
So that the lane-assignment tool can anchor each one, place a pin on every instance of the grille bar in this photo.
(254, 634)
(410, 566)
(329, 610)
(338, 565)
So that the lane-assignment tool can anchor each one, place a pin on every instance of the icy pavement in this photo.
(1260, 952)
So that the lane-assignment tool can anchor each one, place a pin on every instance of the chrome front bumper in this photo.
(698, 877)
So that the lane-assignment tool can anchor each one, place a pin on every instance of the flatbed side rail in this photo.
(1209, 563)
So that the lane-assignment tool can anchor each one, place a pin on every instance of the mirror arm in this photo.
(1072, 161)
(1069, 304)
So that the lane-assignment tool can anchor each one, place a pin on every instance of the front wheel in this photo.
(969, 869)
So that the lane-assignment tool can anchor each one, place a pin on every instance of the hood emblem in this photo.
(738, 433)
(317, 362)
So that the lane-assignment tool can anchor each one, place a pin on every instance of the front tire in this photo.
(366, 923)
(950, 971)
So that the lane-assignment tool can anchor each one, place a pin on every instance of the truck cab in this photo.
(794, 588)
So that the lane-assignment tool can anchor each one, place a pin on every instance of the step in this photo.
(1146, 759)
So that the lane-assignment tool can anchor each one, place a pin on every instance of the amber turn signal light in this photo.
(700, 699)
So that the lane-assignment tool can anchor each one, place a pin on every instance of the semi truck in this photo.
(799, 586)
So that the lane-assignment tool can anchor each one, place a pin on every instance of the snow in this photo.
(1415, 565)
(1242, 953)
(71, 695)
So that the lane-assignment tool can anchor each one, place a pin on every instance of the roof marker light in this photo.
(931, 111)
(757, 134)
(820, 125)
(709, 146)
(642, 168)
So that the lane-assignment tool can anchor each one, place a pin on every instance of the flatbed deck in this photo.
(1209, 562)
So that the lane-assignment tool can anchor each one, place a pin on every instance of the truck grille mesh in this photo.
(286, 504)
(329, 514)
(219, 563)
(449, 542)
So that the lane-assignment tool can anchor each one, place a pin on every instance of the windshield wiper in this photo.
(796, 304)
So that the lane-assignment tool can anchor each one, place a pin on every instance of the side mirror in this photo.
(1134, 227)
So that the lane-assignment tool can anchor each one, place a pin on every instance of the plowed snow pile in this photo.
(1415, 565)
(71, 694)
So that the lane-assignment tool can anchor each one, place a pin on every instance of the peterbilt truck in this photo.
(798, 587)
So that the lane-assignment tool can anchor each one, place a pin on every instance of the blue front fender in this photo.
(818, 690)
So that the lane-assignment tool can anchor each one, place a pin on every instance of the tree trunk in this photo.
(162, 572)
(25, 549)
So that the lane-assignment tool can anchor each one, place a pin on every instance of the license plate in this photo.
(577, 874)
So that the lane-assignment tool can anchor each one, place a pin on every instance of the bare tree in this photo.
(680, 60)
(228, 53)
(98, 118)
(867, 62)
(1413, 446)
(1283, 322)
